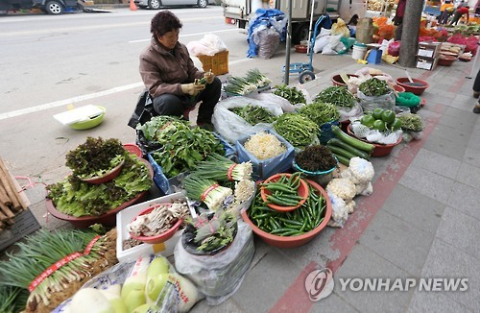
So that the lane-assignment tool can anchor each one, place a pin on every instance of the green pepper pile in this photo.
(302, 220)
(297, 129)
(381, 120)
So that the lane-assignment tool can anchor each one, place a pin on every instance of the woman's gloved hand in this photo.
(209, 76)
(192, 89)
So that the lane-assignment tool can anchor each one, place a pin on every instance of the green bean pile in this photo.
(297, 129)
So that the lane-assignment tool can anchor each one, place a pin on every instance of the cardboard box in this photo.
(429, 49)
(217, 63)
(125, 216)
(428, 64)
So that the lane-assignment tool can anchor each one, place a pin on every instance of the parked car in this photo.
(58, 6)
(157, 4)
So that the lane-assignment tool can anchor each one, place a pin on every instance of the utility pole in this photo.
(410, 30)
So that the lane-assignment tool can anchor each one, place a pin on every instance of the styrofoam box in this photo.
(124, 217)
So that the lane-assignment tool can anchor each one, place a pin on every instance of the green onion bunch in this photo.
(239, 86)
(12, 299)
(217, 167)
(42, 250)
(207, 191)
(257, 78)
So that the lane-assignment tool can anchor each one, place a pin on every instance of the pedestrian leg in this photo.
(209, 98)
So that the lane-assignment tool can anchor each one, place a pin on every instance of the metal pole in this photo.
(310, 29)
(289, 42)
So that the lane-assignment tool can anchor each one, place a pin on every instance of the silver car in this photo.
(157, 4)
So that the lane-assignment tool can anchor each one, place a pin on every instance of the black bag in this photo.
(143, 110)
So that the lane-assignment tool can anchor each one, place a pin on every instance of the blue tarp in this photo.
(269, 18)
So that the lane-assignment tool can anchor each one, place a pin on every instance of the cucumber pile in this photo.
(345, 147)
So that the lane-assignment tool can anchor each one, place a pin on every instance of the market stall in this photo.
(282, 165)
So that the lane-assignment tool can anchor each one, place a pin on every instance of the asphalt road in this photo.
(51, 62)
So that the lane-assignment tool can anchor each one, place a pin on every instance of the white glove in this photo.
(192, 89)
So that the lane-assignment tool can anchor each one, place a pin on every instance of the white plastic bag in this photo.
(320, 44)
(209, 45)
(231, 126)
(339, 211)
(369, 103)
(349, 113)
(220, 275)
(272, 100)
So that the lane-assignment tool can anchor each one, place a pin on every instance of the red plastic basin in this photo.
(417, 90)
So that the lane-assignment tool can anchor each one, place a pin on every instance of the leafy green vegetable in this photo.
(374, 87)
(411, 122)
(182, 146)
(95, 157)
(338, 96)
(257, 78)
(74, 197)
(12, 299)
(254, 114)
(320, 113)
(292, 94)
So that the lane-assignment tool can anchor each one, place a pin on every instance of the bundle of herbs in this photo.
(95, 157)
(338, 96)
(207, 191)
(257, 78)
(320, 113)
(297, 129)
(374, 87)
(52, 266)
(315, 158)
(292, 94)
(211, 232)
(254, 114)
(77, 198)
(239, 86)
(12, 299)
(410, 122)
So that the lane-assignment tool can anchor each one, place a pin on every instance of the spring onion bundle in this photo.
(206, 190)
(217, 167)
(239, 86)
(12, 299)
(53, 265)
(257, 78)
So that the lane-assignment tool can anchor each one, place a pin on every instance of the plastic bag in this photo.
(265, 19)
(370, 103)
(339, 211)
(340, 28)
(334, 45)
(273, 100)
(349, 113)
(231, 126)
(267, 40)
(320, 44)
(209, 45)
(373, 135)
(175, 299)
(263, 169)
(218, 276)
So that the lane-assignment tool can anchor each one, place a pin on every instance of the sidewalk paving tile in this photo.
(467, 118)
(437, 163)
(474, 140)
(434, 302)
(463, 103)
(229, 306)
(432, 185)
(469, 175)
(457, 122)
(451, 133)
(317, 250)
(332, 304)
(460, 230)
(472, 156)
(447, 147)
(266, 282)
(414, 208)
(398, 242)
(364, 263)
(446, 261)
(466, 199)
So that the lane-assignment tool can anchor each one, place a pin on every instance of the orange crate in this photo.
(217, 63)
